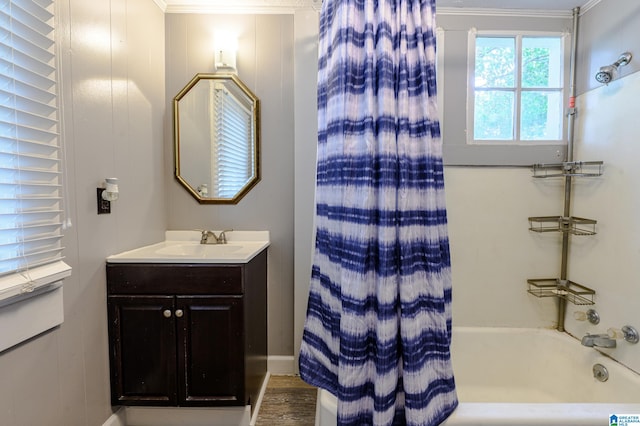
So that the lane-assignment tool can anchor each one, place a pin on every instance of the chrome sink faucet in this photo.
(598, 340)
(209, 237)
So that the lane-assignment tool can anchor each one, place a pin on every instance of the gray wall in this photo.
(454, 115)
(112, 87)
(607, 30)
(265, 64)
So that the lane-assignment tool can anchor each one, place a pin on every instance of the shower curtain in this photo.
(378, 324)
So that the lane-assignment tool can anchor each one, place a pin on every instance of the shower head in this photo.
(605, 75)
(608, 72)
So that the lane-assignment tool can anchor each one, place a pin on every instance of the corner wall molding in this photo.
(162, 4)
(590, 4)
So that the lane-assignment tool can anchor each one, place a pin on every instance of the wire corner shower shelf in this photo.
(568, 168)
(563, 289)
(573, 225)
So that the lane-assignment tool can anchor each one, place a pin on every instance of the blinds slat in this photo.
(233, 122)
(17, 75)
(39, 9)
(30, 167)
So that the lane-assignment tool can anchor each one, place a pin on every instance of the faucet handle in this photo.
(627, 333)
(591, 315)
(222, 237)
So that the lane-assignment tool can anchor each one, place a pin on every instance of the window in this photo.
(517, 92)
(31, 212)
(505, 104)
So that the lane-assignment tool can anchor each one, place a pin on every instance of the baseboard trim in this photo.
(281, 365)
(180, 416)
(256, 408)
(143, 416)
(116, 419)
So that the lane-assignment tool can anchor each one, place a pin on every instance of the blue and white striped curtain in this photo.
(378, 325)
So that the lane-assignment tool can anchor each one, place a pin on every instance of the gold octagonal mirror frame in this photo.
(216, 120)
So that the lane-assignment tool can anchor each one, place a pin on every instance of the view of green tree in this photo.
(495, 121)
(495, 68)
(495, 62)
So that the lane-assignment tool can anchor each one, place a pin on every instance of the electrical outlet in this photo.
(104, 206)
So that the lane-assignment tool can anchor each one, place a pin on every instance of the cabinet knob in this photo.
(167, 313)
(179, 313)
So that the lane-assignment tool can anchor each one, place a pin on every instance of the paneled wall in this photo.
(112, 93)
(265, 65)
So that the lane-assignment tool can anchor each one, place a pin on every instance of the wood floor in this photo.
(288, 401)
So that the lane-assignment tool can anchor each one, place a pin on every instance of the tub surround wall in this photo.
(485, 206)
(608, 261)
(112, 89)
(265, 64)
(493, 253)
(606, 130)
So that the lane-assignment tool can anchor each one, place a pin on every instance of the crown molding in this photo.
(290, 6)
(588, 6)
(528, 13)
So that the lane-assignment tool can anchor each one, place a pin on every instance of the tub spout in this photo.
(598, 340)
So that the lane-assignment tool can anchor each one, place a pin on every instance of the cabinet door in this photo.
(211, 350)
(142, 350)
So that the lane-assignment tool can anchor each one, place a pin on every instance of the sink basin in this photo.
(199, 250)
(185, 247)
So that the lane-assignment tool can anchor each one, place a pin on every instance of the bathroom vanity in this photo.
(187, 328)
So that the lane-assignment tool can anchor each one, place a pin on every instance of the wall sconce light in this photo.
(107, 194)
(226, 46)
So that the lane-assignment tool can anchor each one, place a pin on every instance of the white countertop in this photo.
(185, 247)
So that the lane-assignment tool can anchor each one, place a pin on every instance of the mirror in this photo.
(216, 138)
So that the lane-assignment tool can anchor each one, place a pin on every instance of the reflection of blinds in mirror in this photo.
(232, 143)
(30, 183)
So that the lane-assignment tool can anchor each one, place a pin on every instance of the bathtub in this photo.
(527, 377)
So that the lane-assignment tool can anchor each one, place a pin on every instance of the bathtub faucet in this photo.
(598, 340)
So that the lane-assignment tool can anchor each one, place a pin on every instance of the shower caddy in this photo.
(562, 288)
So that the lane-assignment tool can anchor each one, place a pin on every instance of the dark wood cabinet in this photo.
(187, 334)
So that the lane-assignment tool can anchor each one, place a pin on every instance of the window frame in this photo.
(32, 252)
(456, 72)
(517, 88)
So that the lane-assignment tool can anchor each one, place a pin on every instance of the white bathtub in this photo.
(527, 377)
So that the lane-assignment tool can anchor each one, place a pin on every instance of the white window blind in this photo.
(233, 156)
(31, 211)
